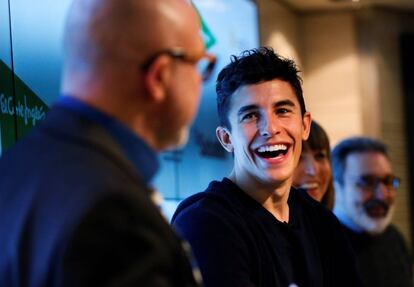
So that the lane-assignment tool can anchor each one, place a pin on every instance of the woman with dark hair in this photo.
(314, 172)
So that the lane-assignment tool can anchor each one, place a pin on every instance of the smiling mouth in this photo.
(272, 151)
(376, 208)
(313, 185)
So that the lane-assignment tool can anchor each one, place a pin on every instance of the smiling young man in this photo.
(365, 187)
(252, 228)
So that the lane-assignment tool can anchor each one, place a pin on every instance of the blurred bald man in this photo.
(75, 202)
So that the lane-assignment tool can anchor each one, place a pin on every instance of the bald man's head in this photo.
(100, 31)
(120, 57)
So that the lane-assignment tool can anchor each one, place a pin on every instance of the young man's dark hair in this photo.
(252, 67)
(353, 145)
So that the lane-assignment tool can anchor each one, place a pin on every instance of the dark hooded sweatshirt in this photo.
(237, 242)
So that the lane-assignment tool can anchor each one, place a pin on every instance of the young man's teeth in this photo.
(272, 148)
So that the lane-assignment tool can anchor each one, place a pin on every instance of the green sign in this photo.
(209, 39)
(20, 110)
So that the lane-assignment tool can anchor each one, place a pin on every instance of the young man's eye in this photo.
(282, 111)
(249, 116)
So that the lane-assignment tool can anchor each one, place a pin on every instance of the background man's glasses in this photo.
(371, 182)
(205, 63)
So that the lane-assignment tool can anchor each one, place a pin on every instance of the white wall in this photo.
(279, 28)
(331, 72)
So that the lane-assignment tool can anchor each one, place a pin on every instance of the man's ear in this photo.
(306, 123)
(157, 77)
(224, 137)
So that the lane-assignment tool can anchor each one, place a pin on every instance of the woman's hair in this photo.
(318, 140)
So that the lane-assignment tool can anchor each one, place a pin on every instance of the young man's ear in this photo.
(306, 123)
(157, 77)
(224, 137)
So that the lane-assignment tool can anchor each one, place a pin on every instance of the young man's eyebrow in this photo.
(284, 103)
(244, 109)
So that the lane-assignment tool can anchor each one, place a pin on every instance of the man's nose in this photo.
(381, 191)
(267, 126)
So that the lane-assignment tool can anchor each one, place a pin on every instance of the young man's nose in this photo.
(267, 126)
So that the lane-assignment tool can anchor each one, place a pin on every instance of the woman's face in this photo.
(313, 173)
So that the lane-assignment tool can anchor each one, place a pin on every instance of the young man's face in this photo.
(266, 134)
(367, 200)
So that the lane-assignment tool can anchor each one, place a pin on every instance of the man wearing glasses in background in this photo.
(365, 190)
(75, 197)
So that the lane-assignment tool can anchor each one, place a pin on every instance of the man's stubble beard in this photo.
(370, 225)
(176, 141)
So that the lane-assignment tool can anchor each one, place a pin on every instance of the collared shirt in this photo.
(143, 158)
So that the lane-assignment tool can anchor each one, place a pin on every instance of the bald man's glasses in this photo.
(205, 63)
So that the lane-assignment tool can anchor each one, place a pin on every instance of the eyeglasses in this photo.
(205, 63)
(371, 182)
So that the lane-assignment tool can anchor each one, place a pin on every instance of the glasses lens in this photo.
(205, 66)
(367, 181)
(371, 182)
(392, 182)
